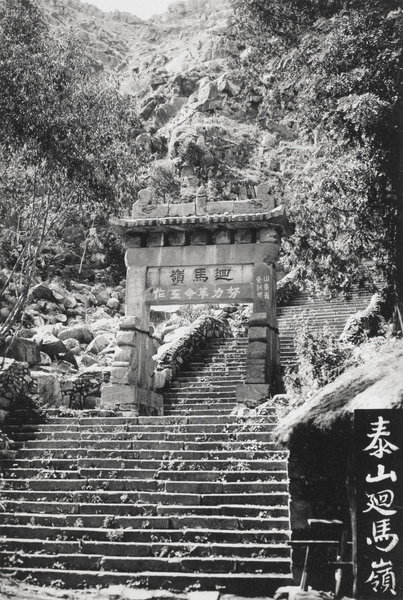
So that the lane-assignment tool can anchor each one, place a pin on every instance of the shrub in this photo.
(320, 359)
(164, 180)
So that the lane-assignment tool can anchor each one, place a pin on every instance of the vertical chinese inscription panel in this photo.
(378, 449)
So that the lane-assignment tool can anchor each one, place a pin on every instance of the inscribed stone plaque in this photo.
(199, 284)
(378, 449)
(263, 287)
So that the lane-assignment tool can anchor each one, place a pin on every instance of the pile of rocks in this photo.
(55, 303)
(70, 343)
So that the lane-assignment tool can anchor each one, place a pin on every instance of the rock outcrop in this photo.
(198, 117)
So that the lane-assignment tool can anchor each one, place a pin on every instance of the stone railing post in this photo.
(131, 385)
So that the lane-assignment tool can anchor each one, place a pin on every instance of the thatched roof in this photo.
(375, 384)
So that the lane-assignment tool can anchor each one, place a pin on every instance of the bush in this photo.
(164, 180)
(320, 359)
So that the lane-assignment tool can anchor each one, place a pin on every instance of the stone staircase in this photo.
(316, 313)
(196, 499)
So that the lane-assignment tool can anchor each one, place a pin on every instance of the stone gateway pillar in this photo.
(206, 253)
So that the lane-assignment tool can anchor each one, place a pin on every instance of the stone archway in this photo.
(209, 256)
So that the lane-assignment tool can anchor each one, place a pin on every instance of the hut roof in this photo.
(375, 384)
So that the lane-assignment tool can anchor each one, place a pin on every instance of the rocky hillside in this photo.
(200, 127)
(107, 35)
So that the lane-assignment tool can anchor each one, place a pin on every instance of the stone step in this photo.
(317, 310)
(115, 441)
(195, 394)
(216, 405)
(188, 426)
(108, 521)
(160, 473)
(145, 549)
(49, 432)
(147, 536)
(232, 464)
(200, 409)
(204, 387)
(252, 584)
(170, 423)
(198, 370)
(95, 562)
(128, 446)
(101, 496)
(183, 381)
(143, 510)
(161, 420)
(147, 485)
(147, 454)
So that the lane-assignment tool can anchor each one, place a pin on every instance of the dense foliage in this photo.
(331, 72)
(321, 358)
(68, 156)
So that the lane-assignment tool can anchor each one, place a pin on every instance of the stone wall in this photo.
(79, 391)
(15, 382)
(179, 351)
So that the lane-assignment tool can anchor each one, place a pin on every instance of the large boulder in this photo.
(79, 332)
(41, 291)
(101, 293)
(25, 350)
(56, 350)
(99, 343)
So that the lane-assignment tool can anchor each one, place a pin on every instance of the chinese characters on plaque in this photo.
(379, 477)
(198, 284)
(262, 282)
(263, 287)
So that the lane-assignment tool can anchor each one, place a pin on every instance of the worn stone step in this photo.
(183, 381)
(101, 496)
(204, 387)
(127, 509)
(145, 549)
(200, 393)
(204, 409)
(56, 431)
(252, 584)
(130, 446)
(160, 473)
(199, 434)
(77, 508)
(108, 521)
(198, 535)
(232, 464)
(212, 371)
(135, 564)
(235, 510)
(146, 485)
(152, 454)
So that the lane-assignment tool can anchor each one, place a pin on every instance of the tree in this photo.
(334, 71)
(67, 143)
